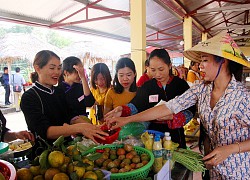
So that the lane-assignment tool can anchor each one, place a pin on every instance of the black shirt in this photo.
(4, 129)
(142, 101)
(47, 108)
(76, 99)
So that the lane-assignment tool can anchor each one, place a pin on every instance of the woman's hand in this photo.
(24, 135)
(90, 131)
(116, 122)
(80, 70)
(117, 112)
(218, 155)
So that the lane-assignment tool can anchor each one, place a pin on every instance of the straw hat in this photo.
(221, 45)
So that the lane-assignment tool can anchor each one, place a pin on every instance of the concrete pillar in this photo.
(187, 36)
(203, 36)
(138, 34)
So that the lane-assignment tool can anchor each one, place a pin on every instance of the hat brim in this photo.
(221, 45)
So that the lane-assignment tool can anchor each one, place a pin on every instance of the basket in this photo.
(108, 139)
(140, 173)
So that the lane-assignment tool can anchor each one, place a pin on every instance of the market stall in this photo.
(118, 160)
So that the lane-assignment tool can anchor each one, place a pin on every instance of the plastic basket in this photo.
(108, 139)
(155, 133)
(140, 173)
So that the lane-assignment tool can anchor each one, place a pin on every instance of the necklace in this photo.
(51, 90)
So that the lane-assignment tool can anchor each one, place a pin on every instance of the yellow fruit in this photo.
(35, 170)
(24, 174)
(50, 173)
(1, 176)
(61, 176)
(38, 177)
(72, 150)
(79, 170)
(56, 158)
(66, 160)
(90, 175)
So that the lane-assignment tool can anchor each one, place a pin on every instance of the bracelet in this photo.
(239, 147)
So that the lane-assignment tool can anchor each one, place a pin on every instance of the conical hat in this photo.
(221, 45)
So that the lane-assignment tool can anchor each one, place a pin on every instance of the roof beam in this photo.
(241, 37)
(111, 12)
(241, 7)
(232, 27)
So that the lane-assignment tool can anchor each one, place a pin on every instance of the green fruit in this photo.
(43, 159)
(100, 174)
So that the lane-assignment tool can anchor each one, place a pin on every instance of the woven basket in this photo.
(137, 174)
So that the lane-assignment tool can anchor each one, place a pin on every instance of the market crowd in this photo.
(163, 99)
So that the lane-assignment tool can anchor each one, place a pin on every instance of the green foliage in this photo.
(2, 32)
(20, 29)
(58, 40)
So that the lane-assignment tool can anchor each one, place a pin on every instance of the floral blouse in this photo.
(227, 123)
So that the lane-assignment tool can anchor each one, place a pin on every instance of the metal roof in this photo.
(110, 18)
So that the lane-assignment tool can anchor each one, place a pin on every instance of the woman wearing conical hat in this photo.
(223, 106)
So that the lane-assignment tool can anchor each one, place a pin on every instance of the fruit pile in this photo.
(62, 164)
(121, 160)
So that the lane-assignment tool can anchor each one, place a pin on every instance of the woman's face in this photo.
(49, 74)
(126, 77)
(159, 70)
(73, 77)
(195, 67)
(100, 81)
(208, 67)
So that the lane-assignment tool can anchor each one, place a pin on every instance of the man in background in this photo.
(17, 82)
(6, 85)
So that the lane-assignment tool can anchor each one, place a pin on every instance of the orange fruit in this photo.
(24, 174)
(90, 175)
(61, 176)
(50, 173)
(72, 150)
(56, 159)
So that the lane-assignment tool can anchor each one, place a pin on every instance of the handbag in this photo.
(16, 88)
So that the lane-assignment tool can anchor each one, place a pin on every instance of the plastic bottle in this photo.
(166, 135)
(149, 143)
(167, 154)
(157, 151)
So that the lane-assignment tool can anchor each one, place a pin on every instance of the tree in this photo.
(21, 29)
(57, 40)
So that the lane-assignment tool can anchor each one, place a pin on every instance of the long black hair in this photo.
(100, 68)
(122, 63)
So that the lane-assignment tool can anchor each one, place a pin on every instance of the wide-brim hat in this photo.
(221, 45)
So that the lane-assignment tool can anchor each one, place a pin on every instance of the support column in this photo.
(203, 36)
(187, 36)
(138, 34)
